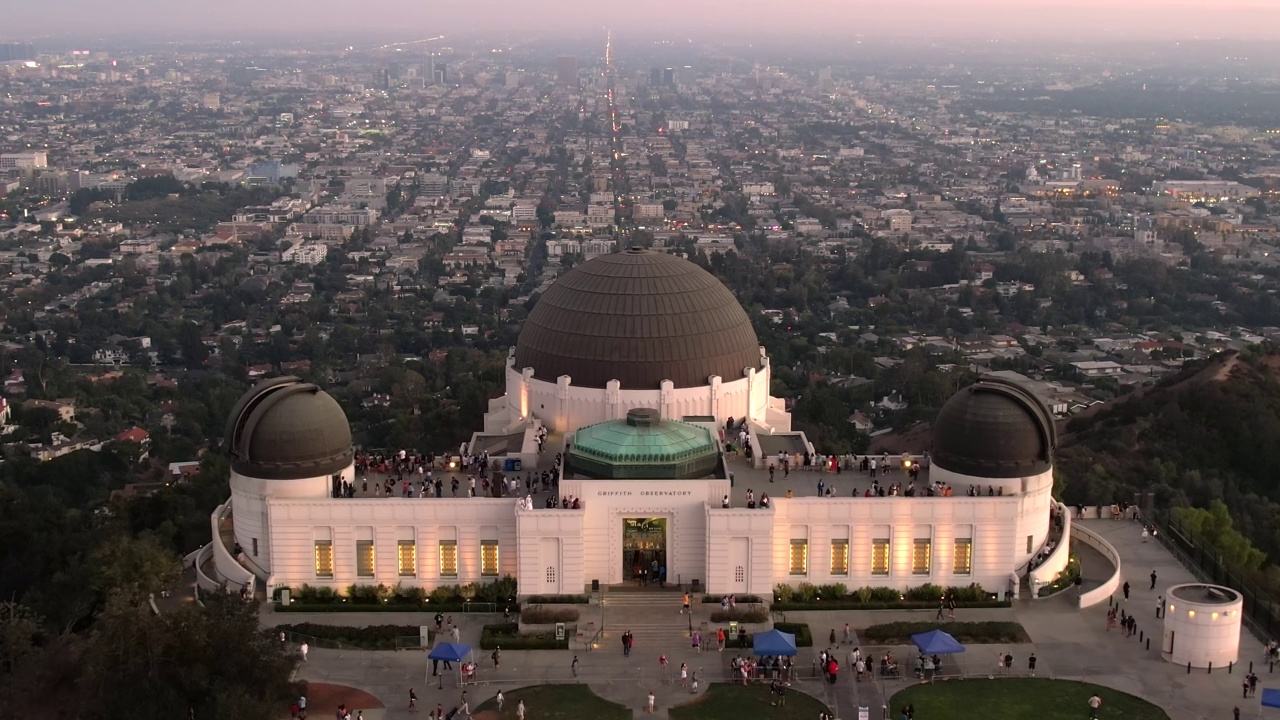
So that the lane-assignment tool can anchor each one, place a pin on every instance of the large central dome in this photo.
(638, 317)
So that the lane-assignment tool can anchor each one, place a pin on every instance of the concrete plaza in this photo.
(1068, 643)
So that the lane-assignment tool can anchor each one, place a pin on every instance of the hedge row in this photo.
(899, 633)
(298, 607)
(558, 600)
(742, 615)
(543, 616)
(507, 636)
(854, 604)
(739, 599)
(373, 637)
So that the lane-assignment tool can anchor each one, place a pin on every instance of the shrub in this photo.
(806, 592)
(927, 592)
(973, 592)
(971, 632)
(507, 635)
(741, 614)
(408, 595)
(803, 637)
(502, 590)
(783, 593)
(1065, 579)
(838, 591)
(863, 594)
(373, 637)
(885, 594)
(368, 594)
(312, 594)
(543, 616)
(558, 600)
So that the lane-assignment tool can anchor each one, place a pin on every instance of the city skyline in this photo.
(827, 19)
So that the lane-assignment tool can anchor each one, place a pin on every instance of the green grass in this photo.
(1020, 699)
(722, 701)
(555, 702)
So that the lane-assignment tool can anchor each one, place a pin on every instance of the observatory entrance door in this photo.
(644, 549)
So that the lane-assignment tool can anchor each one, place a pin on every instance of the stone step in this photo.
(642, 600)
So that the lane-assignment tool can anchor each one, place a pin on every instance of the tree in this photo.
(134, 568)
(19, 628)
(214, 661)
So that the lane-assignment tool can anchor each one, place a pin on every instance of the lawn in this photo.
(722, 701)
(1020, 699)
(555, 702)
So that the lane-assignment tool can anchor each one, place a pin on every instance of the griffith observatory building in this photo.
(633, 365)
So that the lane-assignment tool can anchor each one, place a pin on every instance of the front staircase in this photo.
(652, 615)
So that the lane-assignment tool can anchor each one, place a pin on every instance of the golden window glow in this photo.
(880, 556)
(489, 557)
(364, 558)
(839, 557)
(921, 556)
(962, 562)
(324, 559)
(448, 558)
(407, 558)
(799, 557)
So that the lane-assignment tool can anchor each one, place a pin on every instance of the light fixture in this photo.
(1191, 613)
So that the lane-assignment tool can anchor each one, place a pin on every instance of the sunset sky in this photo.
(1077, 20)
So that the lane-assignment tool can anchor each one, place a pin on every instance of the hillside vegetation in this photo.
(1207, 443)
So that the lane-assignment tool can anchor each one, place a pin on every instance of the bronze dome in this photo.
(638, 317)
(995, 428)
(285, 429)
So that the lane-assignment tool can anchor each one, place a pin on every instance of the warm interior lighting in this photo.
(1191, 613)
(799, 557)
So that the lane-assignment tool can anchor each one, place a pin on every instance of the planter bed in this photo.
(508, 637)
(982, 633)
(341, 607)
(900, 605)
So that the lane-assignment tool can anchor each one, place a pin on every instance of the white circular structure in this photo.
(1202, 625)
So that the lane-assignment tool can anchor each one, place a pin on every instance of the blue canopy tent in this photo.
(450, 652)
(773, 642)
(1270, 698)
(937, 642)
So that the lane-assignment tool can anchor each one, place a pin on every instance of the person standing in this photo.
(519, 710)
(848, 635)
(497, 657)
(1153, 579)
(662, 665)
(684, 675)
(694, 690)
(1159, 606)
(500, 699)
(304, 649)
(302, 707)
(1031, 664)
(573, 666)
(652, 699)
(1095, 703)
(1126, 590)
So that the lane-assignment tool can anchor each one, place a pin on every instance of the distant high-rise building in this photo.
(567, 70)
(655, 77)
(824, 78)
(17, 52)
(669, 77)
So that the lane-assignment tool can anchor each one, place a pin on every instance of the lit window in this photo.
(921, 556)
(839, 557)
(324, 559)
(962, 563)
(364, 558)
(1030, 542)
(880, 556)
(799, 557)
(448, 558)
(489, 557)
(407, 558)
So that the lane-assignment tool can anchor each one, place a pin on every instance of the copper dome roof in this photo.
(995, 428)
(638, 317)
(285, 429)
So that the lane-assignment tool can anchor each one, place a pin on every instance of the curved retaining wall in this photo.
(1048, 571)
(236, 575)
(204, 582)
(1108, 587)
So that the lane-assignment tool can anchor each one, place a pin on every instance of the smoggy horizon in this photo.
(1077, 21)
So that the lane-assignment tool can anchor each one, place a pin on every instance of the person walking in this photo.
(848, 635)
(573, 666)
(1126, 590)
(1153, 579)
(942, 605)
(685, 608)
(304, 649)
(413, 701)
(694, 689)
(519, 710)
(696, 641)
(500, 699)
(1095, 703)
(302, 707)
(497, 657)
(684, 675)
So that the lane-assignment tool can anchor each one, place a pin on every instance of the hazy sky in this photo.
(1073, 20)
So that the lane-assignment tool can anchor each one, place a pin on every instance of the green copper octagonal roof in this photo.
(643, 447)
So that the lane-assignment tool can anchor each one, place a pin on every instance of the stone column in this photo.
(613, 411)
(666, 395)
(563, 383)
(715, 399)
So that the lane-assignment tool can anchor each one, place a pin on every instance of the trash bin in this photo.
(509, 465)
(515, 464)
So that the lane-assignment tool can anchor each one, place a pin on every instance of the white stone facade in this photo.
(1199, 630)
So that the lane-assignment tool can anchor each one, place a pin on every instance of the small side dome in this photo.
(286, 429)
(995, 428)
